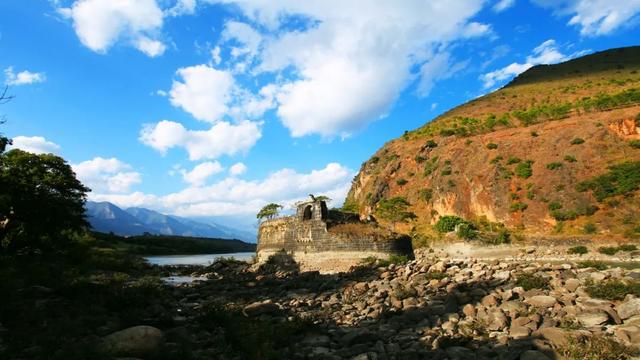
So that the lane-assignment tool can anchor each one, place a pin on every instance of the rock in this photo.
(533, 355)
(572, 284)
(630, 307)
(559, 337)
(502, 275)
(469, 310)
(544, 301)
(489, 301)
(459, 353)
(519, 332)
(261, 308)
(134, 341)
(592, 318)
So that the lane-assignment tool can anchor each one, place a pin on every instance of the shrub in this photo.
(608, 250)
(448, 223)
(523, 169)
(570, 158)
(529, 282)
(635, 144)
(426, 194)
(598, 265)
(554, 205)
(518, 206)
(446, 171)
(531, 195)
(627, 247)
(468, 142)
(447, 132)
(496, 159)
(467, 231)
(564, 215)
(374, 159)
(589, 228)
(621, 179)
(580, 250)
(534, 134)
(513, 160)
(492, 146)
(577, 141)
(420, 159)
(451, 183)
(401, 182)
(613, 289)
(430, 144)
(601, 347)
(554, 166)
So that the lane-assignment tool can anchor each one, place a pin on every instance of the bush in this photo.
(589, 228)
(401, 182)
(554, 166)
(492, 146)
(579, 250)
(518, 206)
(513, 160)
(448, 223)
(554, 205)
(621, 179)
(635, 144)
(627, 247)
(596, 264)
(426, 194)
(613, 289)
(393, 259)
(529, 282)
(430, 144)
(608, 250)
(577, 141)
(467, 231)
(523, 169)
(570, 158)
(601, 347)
(534, 134)
(420, 159)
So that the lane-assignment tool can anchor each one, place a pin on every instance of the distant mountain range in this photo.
(107, 217)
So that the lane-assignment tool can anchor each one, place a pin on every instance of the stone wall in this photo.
(316, 248)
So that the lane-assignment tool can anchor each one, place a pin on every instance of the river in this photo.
(199, 259)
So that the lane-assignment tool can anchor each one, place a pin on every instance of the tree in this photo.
(4, 98)
(323, 198)
(394, 210)
(269, 211)
(40, 200)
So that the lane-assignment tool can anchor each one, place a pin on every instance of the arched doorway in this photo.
(308, 213)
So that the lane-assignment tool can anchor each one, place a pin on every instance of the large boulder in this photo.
(543, 301)
(134, 341)
(629, 308)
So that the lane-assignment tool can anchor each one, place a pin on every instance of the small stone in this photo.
(519, 332)
(469, 310)
(544, 301)
(594, 318)
(572, 284)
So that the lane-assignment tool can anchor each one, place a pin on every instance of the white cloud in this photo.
(183, 7)
(595, 17)
(503, 5)
(243, 34)
(23, 77)
(101, 23)
(346, 64)
(222, 138)
(107, 175)
(438, 68)
(545, 53)
(202, 172)
(34, 144)
(203, 92)
(233, 196)
(237, 169)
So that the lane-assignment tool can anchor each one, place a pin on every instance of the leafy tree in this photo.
(269, 211)
(323, 198)
(448, 223)
(41, 199)
(4, 98)
(395, 210)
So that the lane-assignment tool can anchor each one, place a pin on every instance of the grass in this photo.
(529, 282)
(579, 250)
(634, 144)
(612, 250)
(613, 289)
(554, 165)
(523, 169)
(589, 228)
(570, 158)
(602, 347)
(492, 146)
(596, 264)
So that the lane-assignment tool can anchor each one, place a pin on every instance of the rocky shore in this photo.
(428, 308)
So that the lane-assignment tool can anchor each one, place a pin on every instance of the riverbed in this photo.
(198, 259)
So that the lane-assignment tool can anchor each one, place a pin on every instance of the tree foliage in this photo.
(395, 210)
(269, 211)
(40, 199)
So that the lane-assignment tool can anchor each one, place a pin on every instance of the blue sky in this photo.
(206, 108)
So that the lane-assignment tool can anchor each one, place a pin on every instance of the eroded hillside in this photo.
(555, 152)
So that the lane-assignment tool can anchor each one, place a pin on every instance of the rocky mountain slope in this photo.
(554, 153)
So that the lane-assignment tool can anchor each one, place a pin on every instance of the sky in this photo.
(213, 108)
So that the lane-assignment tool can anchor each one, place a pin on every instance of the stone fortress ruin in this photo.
(327, 240)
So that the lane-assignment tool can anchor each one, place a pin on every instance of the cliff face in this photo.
(518, 156)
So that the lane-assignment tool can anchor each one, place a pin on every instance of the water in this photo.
(199, 259)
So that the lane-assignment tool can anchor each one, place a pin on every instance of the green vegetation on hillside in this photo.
(621, 179)
(174, 245)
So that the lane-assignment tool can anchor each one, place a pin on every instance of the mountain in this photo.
(107, 217)
(555, 153)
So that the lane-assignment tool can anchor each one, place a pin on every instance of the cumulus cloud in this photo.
(440, 67)
(223, 138)
(202, 172)
(503, 5)
(237, 169)
(346, 64)
(99, 24)
(234, 196)
(34, 144)
(203, 92)
(182, 7)
(545, 53)
(107, 175)
(595, 17)
(23, 77)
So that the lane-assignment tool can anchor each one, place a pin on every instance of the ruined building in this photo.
(316, 238)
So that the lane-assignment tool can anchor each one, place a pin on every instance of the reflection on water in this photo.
(200, 259)
(177, 280)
